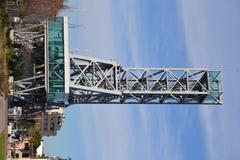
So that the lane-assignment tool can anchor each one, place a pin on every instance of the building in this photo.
(39, 151)
(52, 122)
(14, 113)
(23, 149)
(14, 11)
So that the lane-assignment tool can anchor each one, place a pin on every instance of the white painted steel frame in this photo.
(103, 81)
(66, 59)
(99, 81)
(92, 80)
(29, 34)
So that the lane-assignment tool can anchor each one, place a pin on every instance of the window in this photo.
(25, 155)
(16, 155)
(26, 146)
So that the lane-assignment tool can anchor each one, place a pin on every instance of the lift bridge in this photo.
(76, 79)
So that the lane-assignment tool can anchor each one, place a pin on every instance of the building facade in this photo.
(52, 122)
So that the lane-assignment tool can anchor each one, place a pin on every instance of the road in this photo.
(3, 113)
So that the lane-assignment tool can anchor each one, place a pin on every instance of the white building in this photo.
(14, 113)
(40, 150)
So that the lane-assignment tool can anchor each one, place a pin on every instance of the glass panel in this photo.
(56, 60)
(215, 88)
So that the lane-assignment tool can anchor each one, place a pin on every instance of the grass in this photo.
(3, 142)
(3, 64)
(5, 48)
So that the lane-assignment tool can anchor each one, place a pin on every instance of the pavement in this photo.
(3, 113)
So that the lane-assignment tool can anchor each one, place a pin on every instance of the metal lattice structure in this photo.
(29, 92)
(29, 34)
(75, 79)
(104, 81)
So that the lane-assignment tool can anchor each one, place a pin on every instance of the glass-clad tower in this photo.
(57, 60)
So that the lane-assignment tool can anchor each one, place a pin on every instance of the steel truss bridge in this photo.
(104, 81)
(85, 80)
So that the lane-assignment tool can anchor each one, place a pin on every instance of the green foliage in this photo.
(3, 13)
(27, 127)
(16, 65)
(5, 45)
(2, 145)
(36, 139)
(22, 9)
(31, 129)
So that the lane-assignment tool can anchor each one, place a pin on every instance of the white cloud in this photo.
(109, 132)
(98, 37)
(114, 127)
(212, 36)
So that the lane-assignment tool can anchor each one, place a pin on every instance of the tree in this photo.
(36, 139)
(39, 10)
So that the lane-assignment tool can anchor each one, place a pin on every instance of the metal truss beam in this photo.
(30, 92)
(103, 81)
(100, 81)
(29, 34)
(97, 81)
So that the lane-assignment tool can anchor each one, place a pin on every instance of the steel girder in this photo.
(28, 35)
(104, 81)
(30, 92)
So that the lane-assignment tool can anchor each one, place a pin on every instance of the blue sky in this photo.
(156, 33)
